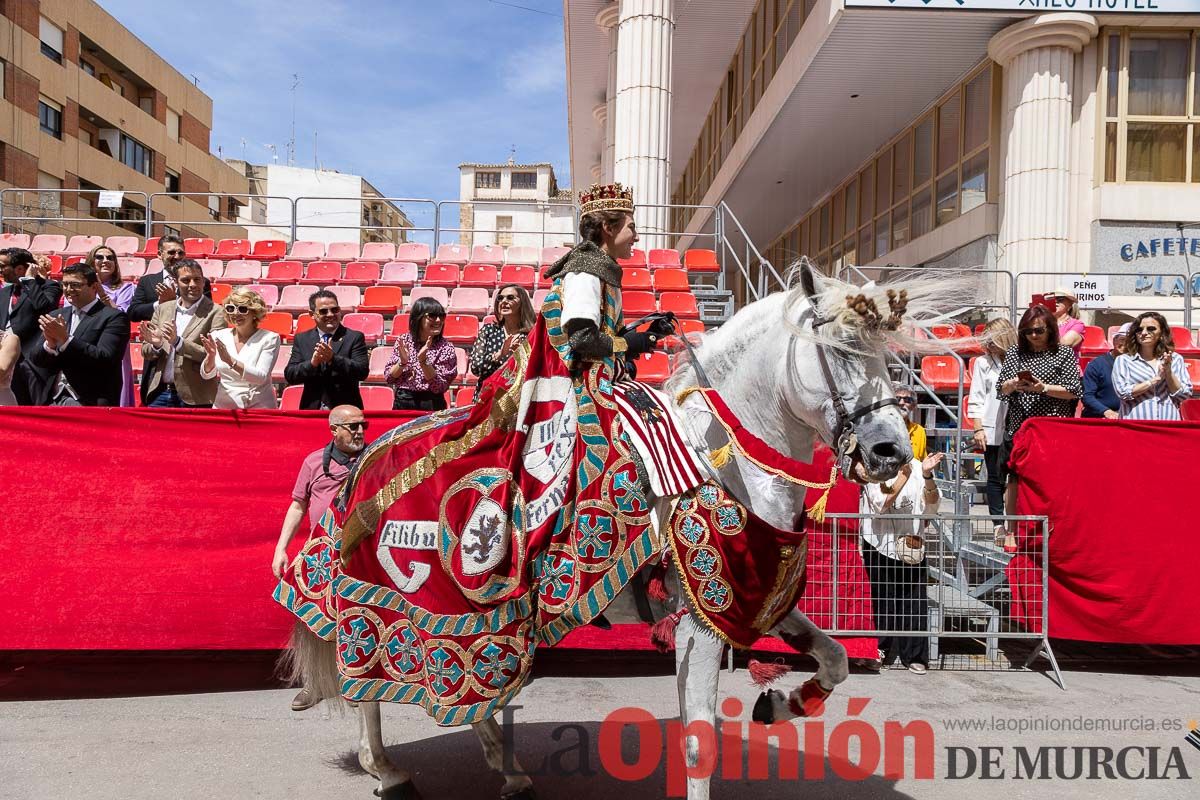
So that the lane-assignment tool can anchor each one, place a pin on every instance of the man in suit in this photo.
(330, 359)
(157, 288)
(82, 346)
(26, 295)
(171, 345)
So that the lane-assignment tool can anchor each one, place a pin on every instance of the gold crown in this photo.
(609, 197)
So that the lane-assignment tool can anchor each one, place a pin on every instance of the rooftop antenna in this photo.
(274, 152)
(243, 148)
(512, 155)
(291, 152)
(316, 157)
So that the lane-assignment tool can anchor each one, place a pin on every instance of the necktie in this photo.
(16, 296)
(325, 337)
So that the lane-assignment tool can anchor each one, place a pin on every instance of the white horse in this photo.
(795, 366)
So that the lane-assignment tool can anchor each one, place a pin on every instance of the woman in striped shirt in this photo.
(1150, 377)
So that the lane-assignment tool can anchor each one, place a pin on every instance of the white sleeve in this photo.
(581, 298)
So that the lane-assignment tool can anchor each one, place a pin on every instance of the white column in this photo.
(601, 114)
(642, 128)
(1038, 57)
(607, 20)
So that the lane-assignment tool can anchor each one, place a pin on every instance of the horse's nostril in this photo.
(885, 450)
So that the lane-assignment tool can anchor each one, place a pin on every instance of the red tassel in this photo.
(763, 675)
(662, 635)
(656, 581)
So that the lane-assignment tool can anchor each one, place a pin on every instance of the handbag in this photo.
(911, 548)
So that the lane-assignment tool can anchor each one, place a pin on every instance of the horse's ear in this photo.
(808, 278)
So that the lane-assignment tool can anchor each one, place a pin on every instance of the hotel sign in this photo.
(1094, 6)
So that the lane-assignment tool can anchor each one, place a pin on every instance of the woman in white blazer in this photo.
(243, 355)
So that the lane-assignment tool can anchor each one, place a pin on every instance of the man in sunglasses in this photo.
(916, 432)
(159, 287)
(172, 348)
(328, 360)
(321, 476)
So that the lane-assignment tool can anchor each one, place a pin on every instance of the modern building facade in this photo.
(87, 107)
(513, 204)
(1027, 138)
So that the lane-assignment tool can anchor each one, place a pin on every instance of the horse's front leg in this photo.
(697, 667)
(517, 785)
(394, 783)
(805, 637)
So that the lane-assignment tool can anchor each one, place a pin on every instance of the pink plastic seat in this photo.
(307, 251)
(268, 292)
(348, 297)
(438, 293)
(399, 273)
(523, 256)
(247, 271)
(369, 325)
(378, 398)
(378, 360)
(470, 300)
(453, 254)
(381, 252)
(213, 268)
(81, 245)
(538, 298)
(416, 252)
(132, 267)
(487, 254)
(46, 243)
(290, 399)
(294, 298)
(552, 254)
(121, 245)
(281, 360)
(343, 251)
(664, 258)
(20, 240)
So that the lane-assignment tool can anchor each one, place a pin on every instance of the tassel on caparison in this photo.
(817, 512)
(763, 675)
(720, 457)
(662, 635)
(656, 582)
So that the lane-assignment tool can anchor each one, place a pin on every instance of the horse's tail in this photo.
(311, 662)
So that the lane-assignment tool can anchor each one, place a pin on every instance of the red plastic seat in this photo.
(290, 399)
(361, 273)
(461, 328)
(268, 292)
(198, 247)
(682, 303)
(470, 300)
(307, 251)
(56, 265)
(229, 249)
(378, 398)
(1095, 343)
(21, 240)
(132, 267)
(279, 321)
(343, 251)
(82, 245)
(47, 243)
(280, 272)
(136, 360)
(453, 254)
(441, 275)
(244, 271)
(416, 252)
(462, 360)
(380, 252)
(638, 304)
(637, 258)
(304, 322)
(281, 360)
(941, 374)
(438, 293)
(294, 298)
(664, 258)
(378, 360)
(479, 275)
(1191, 407)
(121, 245)
(348, 297)
(370, 325)
(552, 254)
(653, 368)
(399, 273)
(382, 300)
(1193, 368)
(636, 279)
(702, 261)
(487, 254)
(319, 272)
(669, 279)
(523, 256)
(464, 397)
(399, 328)
(220, 292)
(1182, 337)
(691, 328)
(522, 275)
(269, 250)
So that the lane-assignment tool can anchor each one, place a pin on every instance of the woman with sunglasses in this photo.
(1150, 377)
(514, 319)
(424, 363)
(1039, 378)
(114, 293)
(243, 354)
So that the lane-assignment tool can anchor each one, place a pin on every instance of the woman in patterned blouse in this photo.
(1050, 387)
(1150, 377)
(514, 319)
(423, 363)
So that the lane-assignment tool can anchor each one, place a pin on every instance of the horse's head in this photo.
(837, 382)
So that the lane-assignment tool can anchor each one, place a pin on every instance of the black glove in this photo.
(637, 343)
(662, 327)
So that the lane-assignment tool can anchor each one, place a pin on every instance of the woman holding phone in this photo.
(1039, 378)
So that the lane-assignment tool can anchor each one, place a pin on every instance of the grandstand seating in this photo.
(307, 251)
(281, 360)
(941, 373)
(552, 254)
(487, 254)
(15, 240)
(399, 327)
(278, 321)
(1182, 337)
(343, 251)
(378, 361)
(294, 298)
(269, 250)
(361, 273)
(220, 291)
(1193, 368)
(445, 275)
(379, 252)
(479, 275)
(81, 245)
(701, 261)
(47, 243)
(348, 297)
(638, 304)
(416, 252)
(150, 249)
(521, 256)
(122, 245)
(268, 292)
(438, 293)
(1191, 408)
(637, 258)
(664, 258)
(229, 249)
(682, 303)
(304, 322)
(399, 273)
(636, 279)
(461, 328)
(213, 269)
(465, 396)
(247, 271)
(370, 325)
(538, 297)
(132, 267)
(199, 247)
(1095, 343)
(653, 368)
(470, 300)
(280, 272)
(457, 254)
(463, 362)
(384, 300)
(378, 398)
(668, 279)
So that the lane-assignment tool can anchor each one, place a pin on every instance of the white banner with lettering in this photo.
(1095, 6)
(1091, 290)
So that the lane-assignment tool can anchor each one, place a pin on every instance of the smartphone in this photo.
(1025, 376)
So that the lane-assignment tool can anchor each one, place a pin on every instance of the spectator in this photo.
(27, 294)
(159, 287)
(321, 476)
(1150, 377)
(514, 319)
(10, 354)
(987, 410)
(78, 362)
(172, 345)
(1040, 378)
(893, 552)
(242, 355)
(916, 433)
(423, 363)
(1099, 397)
(1070, 326)
(114, 293)
(330, 359)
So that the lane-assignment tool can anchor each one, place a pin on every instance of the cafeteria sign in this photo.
(1097, 6)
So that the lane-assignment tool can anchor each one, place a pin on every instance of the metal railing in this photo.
(422, 210)
(1184, 304)
(49, 214)
(222, 205)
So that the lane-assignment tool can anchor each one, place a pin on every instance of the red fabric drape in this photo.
(1123, 543)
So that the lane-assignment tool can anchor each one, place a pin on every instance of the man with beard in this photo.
(321, 476)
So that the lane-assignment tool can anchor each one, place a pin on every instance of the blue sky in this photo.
(399, 91)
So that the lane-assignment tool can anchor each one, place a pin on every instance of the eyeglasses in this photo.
(1145, 329)
(1033, 332)
(906, 400)
(72, 286)
(172, 252)
(436, 316)
(103, 257)
(232, 309)
(327, 312)
(353, 427)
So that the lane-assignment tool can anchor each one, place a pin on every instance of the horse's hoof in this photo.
(399, 791)
(524, 794)
(764, 708)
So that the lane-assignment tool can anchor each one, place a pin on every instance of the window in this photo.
(50, 117)
(504, 231)
(1152, 112)
(524, 180)
(135, 155)
(172, 125)
(172, 182)
(146, 104)
(487, 180)
(87, 67)
(52, 40)
(214, 206)
(49, 201)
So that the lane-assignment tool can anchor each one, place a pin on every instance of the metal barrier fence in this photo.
(955, 603)
(1181, 303)
(244, 200)
(45, 212)
(424, 216)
